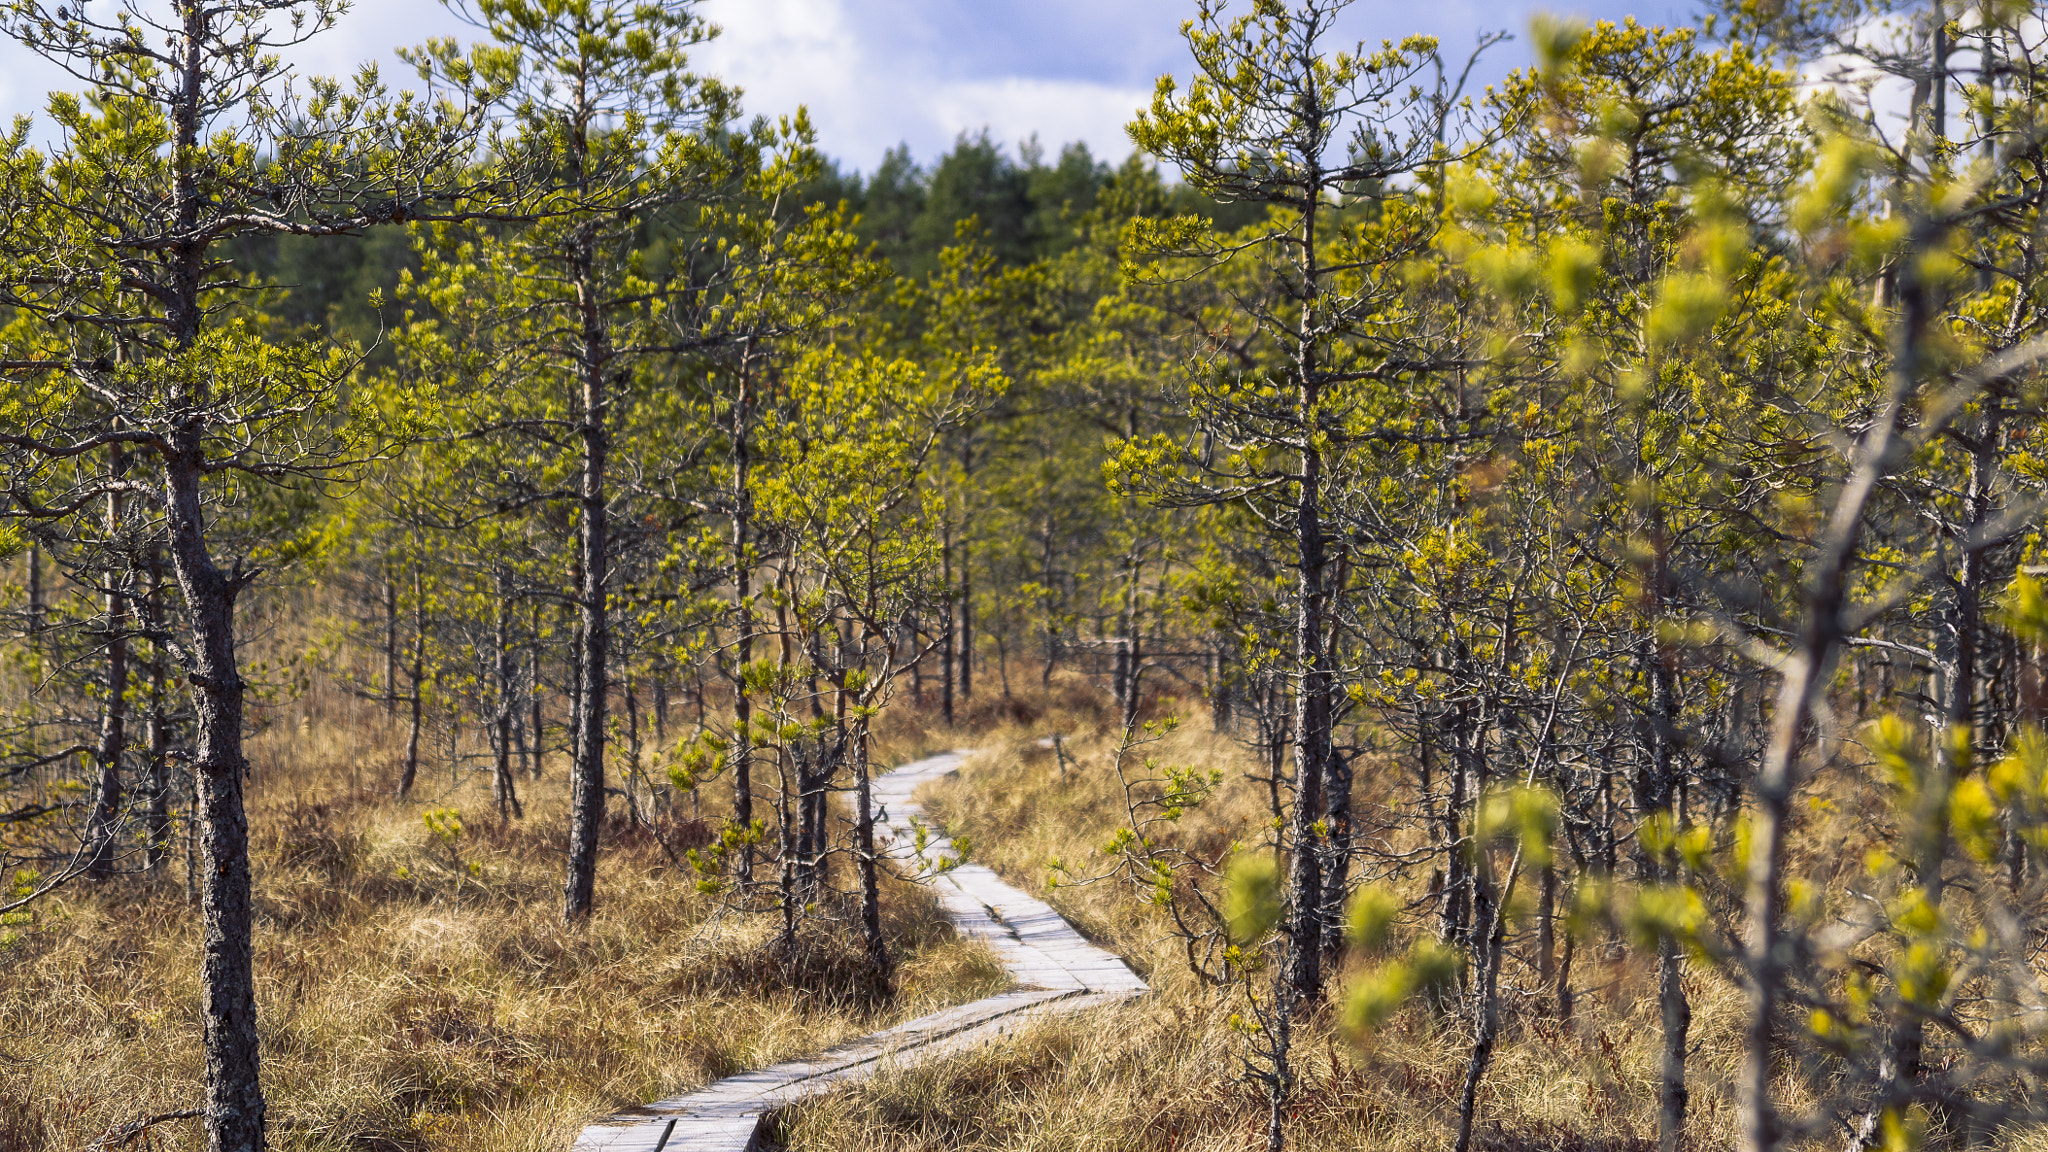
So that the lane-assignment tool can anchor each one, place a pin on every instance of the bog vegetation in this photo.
(1520, 609)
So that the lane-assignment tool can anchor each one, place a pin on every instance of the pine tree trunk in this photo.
(785, 836)
(1489, 933)
(743, 610)
(1314, 679)
(587, 790)
(864, 834)
(157, 723)
(410, 774)
(106, 822)
(35, 595)
(1045, 581)
(966, 620)
(1311, 740)
(1129, 651)
(536, 731)
(1454, 905)
(948, 638)
(234, 1093)
(390, 644)
(1657, 793)
(507, 791)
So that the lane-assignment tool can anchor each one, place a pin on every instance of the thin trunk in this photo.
(864, 833)
(1313, 675)
(105, 830)
(1336, 816)
(191, 838)
(575, 630)
(1280, 1077)
(965, 645)
(966, 620)
(1129, 651)
(390, 644)
(633, 747)
(1490, 935)
(536, 732)
(234, 1092)
(743, 610)
(948, 642)
(157, 722)
(587, 796)
(1452, 911)
(411, 771)
(785, 843)
(234, 1089)
(1657, 792)
(1337, 862)
(35, 594)
(507, 791)
(1045, 581)
(1561, 987)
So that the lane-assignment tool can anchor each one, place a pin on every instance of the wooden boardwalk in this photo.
(1057, 970)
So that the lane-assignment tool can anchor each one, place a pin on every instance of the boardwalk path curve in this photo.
(1057, 970)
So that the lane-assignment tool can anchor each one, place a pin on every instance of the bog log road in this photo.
(1056, 970)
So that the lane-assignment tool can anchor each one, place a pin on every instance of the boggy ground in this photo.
(1163, 1073)
(418, 995)
(418, 998)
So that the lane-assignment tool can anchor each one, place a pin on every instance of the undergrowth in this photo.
(1162, 1073)
(417, 990)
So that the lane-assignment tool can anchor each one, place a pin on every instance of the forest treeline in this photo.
(1569, 492)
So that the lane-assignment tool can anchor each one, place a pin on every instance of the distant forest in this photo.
(1019, 207)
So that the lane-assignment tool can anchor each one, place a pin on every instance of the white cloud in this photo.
(870, 84)
(1059, 111)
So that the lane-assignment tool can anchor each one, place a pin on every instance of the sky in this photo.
(877, 73)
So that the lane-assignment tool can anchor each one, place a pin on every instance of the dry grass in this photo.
(410, 1003)
(1163, 1074)
(417, 998)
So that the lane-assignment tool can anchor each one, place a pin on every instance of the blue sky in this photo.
(878, 72)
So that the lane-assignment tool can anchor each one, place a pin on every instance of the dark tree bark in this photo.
(390, 643)
(1489, 935)
(536, 732)
(743, 594)
(157, 721)
(948, 636)
(1455, 905)
(35, 594)
(864, 835)
(587, 790)
(507, 791)
(409, 775)
(966, 619)
(104, 829)
(234, 1095)
(1129, 651)
(1657, 792)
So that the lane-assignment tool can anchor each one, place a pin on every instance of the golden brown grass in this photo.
(1163, 1073)
(418, 997)
(410, 1003)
